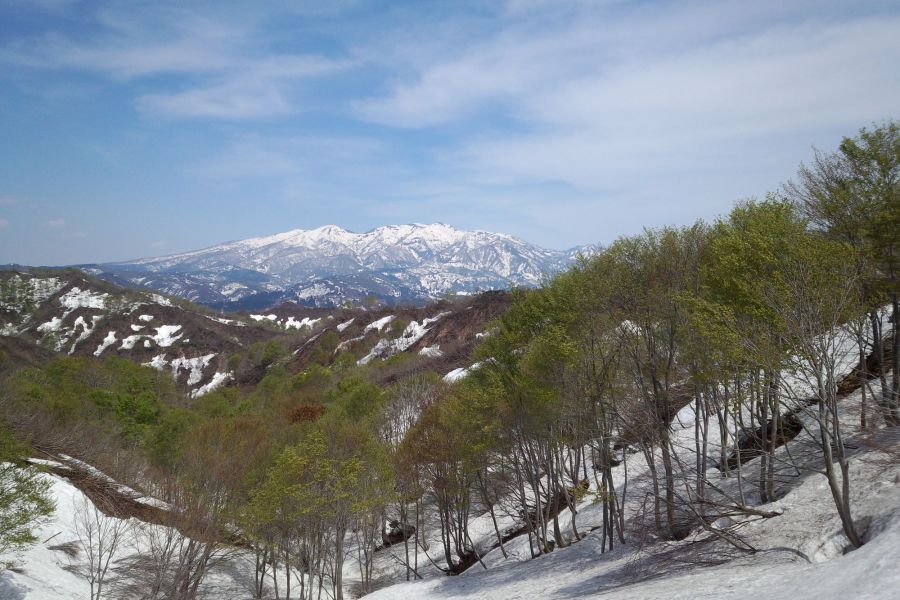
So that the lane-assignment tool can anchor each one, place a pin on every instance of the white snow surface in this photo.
(218, 379)
(161, 300)
(429, 259)
(233, 322)
(158, 362)
(52, 325)
(379, 324)
(108, 341)
(304, 323)
(46, 574)
(194, 365)
(78, 298)
(264, 317)
(342, 326)
(431, 351)
(461, 372)
(129, 342)
(165, 335)
(86, 330)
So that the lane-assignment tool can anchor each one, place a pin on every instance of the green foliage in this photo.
(136, 403)
(853, 196)
(355, 398)
(397, 326)
(25, 500)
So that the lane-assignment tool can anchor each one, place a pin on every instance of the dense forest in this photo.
(746, 320)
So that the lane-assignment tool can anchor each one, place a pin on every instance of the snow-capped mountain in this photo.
(330, 266)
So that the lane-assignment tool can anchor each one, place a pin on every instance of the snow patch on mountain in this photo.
(108, 341)
(165, 335)
(19, 291)
(78, 298)
(218, 379)
(379, 324)
(52, 325)
(194, 365)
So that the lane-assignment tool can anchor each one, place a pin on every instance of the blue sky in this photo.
(140, 129)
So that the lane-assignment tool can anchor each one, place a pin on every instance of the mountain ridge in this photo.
(331, 266)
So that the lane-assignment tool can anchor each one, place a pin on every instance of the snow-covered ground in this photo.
(48, 572)
(800, 552)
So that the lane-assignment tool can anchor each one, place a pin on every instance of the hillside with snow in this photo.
(46, 313)
(329, 266)
(801, 552)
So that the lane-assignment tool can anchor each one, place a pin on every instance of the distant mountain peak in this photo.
(412, 262)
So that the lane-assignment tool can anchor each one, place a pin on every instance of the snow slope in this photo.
(800, 551)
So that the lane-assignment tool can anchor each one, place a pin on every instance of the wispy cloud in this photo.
(8, 200)
(256, 89)
(55, 223)
(147, 43)
(221, 69)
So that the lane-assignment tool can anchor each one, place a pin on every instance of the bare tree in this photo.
(100, 538)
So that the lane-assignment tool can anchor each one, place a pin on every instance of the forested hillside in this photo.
(691, 395)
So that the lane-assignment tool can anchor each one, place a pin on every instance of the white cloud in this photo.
(55, 223)
(223, 70)
(255, 90)
(231, 101)
(705, 109)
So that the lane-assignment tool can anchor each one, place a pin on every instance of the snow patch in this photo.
(217, 380)
(108, 341)
(462, 372)
(264, 317)
(232, 322)
(379, 324)
(129, 342)
(86, 330)
(52, 325)
(194, 365)
(306, 322)
(380, 348)
(158, 362)
(165, 335)
(78, 298)
(161, 300)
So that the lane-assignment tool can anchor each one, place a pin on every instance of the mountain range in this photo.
(330, 266)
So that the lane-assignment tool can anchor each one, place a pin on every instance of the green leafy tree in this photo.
(853, 196)
(25, 500)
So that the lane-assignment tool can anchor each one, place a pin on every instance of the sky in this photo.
(132, 129)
